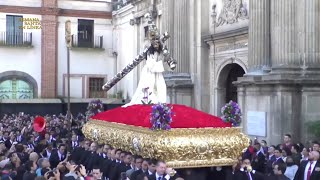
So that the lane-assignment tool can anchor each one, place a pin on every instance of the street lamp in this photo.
(68, 44)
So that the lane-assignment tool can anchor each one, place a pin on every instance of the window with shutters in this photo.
(95, 88)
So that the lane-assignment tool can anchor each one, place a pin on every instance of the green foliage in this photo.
(314, 128)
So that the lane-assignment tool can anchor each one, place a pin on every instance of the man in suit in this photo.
(143, 170)
(278, 170)
(258, 160)
(160, 173)
(309, 170)
(271, 159)
(58, 155)
(93, 158)
(122, 167)
(135, 165)
(246, 172)
(278, 156)
(74, 142)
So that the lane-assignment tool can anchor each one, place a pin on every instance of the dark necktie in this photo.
(309, 171)
(159, 178)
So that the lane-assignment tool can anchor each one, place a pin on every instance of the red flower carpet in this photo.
(139, 115)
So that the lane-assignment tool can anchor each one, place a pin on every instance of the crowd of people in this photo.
(287, 161)
(61, 152)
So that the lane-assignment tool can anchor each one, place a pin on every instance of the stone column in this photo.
(168, 21)
(181, 40)
(312, 32)
(49, 49)
(259, 34)
(283, 35)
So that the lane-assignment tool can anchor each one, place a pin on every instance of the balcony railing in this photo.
(88, 42)
(17, 39)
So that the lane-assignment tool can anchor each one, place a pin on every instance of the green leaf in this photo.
(314, 127)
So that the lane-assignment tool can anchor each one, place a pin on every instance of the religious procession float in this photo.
(181, 136)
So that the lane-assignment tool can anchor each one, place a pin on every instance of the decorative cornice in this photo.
(55, 12)
(227, 34)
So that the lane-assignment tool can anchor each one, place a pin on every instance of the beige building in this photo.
(264, 54)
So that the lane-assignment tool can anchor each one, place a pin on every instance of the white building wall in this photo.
(28, 3)
(100, 5)
(126, 40)
(83, 61)
(27, 60)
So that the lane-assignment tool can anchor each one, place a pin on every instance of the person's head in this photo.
(62, 148)
(316, 146)
(52, 132)
(257, 146)
(30, 138)
(264, 143)
(314, 156)
(152, 165)
(285, 152)
(138, 162)
(96, 172)
(295, 149)
(6, 135)
(277, 153)
(161, 167)
(44, 163)
(127, 158)
(33, 157)
(47, 136)
(142, 176)
(117, 155)
(122, 156)
(289, 161)
(305, 152)
(113, 154)
(31, 166)
(74, 138)
(287, 138)
(271, 150)
(93, 147)
(19, 148)
(144, 165)
(106, 147)
(279, 168)
(86, 144)
(246, 162)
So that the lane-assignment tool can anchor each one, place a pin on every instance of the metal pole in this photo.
(68, 76)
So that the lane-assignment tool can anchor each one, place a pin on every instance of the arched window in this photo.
(15, 89)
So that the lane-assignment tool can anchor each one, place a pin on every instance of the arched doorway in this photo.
(17, 85)
(231, 90)
(15, 89)
(226, 90)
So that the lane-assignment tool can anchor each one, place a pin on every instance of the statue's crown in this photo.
(153, 32)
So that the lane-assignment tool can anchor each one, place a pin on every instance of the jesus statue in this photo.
(152, 87)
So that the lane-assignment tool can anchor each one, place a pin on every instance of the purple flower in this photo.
(161, 117)
(231, 113)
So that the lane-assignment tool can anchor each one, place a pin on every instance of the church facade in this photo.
(262, 54)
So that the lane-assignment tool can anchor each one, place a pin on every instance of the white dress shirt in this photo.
(48, 154)
(291, 171)
(307, 168)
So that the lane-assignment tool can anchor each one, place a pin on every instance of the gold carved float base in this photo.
(179, 148)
